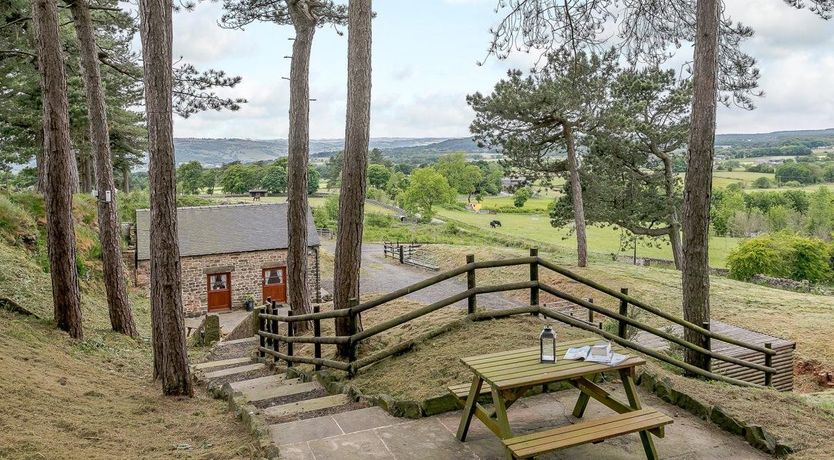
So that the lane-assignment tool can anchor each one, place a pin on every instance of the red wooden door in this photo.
(219, 287)
(275, 284)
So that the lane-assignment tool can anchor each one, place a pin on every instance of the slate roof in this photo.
(225, 229)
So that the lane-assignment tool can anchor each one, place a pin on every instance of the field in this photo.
(315, 201)
(603, 240)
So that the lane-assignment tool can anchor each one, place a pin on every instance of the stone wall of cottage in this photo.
(246, 271)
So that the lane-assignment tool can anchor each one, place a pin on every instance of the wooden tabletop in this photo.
(521, 368)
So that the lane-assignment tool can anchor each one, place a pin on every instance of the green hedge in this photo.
(782, 255)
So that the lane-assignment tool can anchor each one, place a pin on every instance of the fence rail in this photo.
(271, 322)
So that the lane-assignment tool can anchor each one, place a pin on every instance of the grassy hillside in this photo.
(95, 398)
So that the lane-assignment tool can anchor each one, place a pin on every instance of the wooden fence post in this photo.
(276, 329)
(402, 256)
(768, 363)
(708, 346)
(317, 333)
(289, 344)
(534, 276)
(590, 312)
(261, 338)
(622, 326)
(352, 346)
(470, 284)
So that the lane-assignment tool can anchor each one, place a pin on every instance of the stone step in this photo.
(227, 343)
(220, 363)
(327, 426)
(269, 380)
(270, 391)
(234, 371)
(309, 405)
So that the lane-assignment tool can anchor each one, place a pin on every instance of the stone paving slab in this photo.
(304, 430)
(271, 390)
(689, 438)
(353, 446)
(235, 370)
(308, 405)
(226, 343)
(221, 363)
(365, 419)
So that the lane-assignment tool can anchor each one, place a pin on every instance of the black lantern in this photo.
(547, 342)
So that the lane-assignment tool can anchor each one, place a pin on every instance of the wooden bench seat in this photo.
(461, 392)
(591, 431)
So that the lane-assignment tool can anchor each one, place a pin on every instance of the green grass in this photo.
(315, 201)
(603, 240)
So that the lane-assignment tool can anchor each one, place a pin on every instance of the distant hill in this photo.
(776, 137)
(215, 152)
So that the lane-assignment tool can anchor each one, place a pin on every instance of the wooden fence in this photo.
(271, 339)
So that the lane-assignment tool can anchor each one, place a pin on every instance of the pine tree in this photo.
(58, 193)
(357, 136)
(121, 318)
(170, 352)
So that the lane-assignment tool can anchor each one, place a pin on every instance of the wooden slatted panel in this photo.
(517, 368)
(782, 361)
(586, 432)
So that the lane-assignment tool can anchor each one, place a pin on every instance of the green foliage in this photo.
(239, 179)
(521, 196)
(762, 182)
(821, 213)
(378, 219)
(760, 168)
(327, 216)
(275, 179)
(427, 188)
(313, 178)
(190, 177)
(378, 175)
(781, 255)
(796, 172)
(464, 177)
(128, 203)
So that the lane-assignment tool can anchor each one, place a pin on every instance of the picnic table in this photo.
(511, 374)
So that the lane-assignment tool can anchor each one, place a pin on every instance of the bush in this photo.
(378, 219)
(792, 183)
(762, 182)
(782, 255)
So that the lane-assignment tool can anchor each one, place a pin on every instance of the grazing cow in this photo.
(495, 223)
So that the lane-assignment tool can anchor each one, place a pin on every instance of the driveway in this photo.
(381, 275)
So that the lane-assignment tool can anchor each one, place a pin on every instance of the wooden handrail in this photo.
(661, 313)
(670, 337)
(472, 291)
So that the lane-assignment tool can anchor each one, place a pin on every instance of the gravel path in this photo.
(380, 275)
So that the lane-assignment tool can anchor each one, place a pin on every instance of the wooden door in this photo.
(275, 284)
(219, 287)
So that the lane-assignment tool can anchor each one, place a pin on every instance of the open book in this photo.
(597, 353)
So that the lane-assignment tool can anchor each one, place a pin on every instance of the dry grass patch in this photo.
(95, 399)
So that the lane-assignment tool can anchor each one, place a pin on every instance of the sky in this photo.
(425, 61)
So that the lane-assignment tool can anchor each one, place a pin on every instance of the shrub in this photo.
(781, 255)
(378, 219)
(762, 182)
(792, 183)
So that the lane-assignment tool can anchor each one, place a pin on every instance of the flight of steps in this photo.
(286, 411)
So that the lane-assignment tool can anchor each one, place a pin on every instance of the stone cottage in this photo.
(228, 253)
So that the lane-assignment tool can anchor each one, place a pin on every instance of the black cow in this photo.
(495, 223)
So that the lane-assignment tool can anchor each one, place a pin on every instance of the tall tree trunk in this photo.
(578, 204)
(298, 291)
(126, 179)
(41, 163)
(698, 183)
(121, 318)
(170, 354)
(85, 171)
(58, 196)
(355, 166)
(674, 221)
